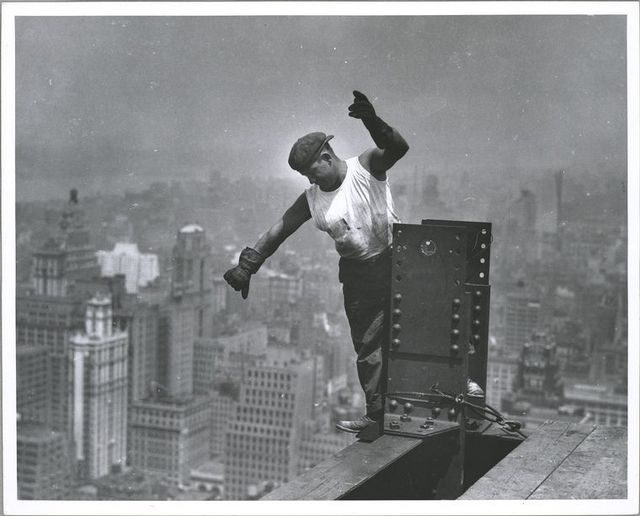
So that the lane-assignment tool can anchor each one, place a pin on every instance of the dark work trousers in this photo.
(366, 287)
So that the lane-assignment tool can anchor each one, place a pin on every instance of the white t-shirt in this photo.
(358, 215)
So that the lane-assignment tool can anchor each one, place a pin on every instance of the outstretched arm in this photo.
(251, 259)
(391, 146)
(296, 215)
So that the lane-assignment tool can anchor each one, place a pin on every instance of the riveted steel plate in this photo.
(478, 247)
(427, 290)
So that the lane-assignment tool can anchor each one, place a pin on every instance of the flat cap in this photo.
(306, 150)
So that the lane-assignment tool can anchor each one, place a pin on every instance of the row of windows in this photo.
(259, 401)
(251, 428)
(262, 393)
(269, 375)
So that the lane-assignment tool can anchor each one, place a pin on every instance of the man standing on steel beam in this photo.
(351, 201)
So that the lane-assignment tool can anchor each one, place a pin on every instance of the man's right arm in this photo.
(296, 215)
(251, 259)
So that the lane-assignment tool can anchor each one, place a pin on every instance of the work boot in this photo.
(355, 426)
(473, 389)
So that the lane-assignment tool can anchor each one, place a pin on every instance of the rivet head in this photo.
(451, 414)
(396, 327)
(455, 348)
(395, 343)
(398, 297)
(478, 293)
(455, 333)
(456, 303)
(435, 411)
(455, 318)
(476, 322)
(397, 312)
(408, 407)
(477, 308)
(476, 338)
(393, 404)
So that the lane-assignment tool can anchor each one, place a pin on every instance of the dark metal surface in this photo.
(478, 247)
(479, 297)
(429, 317)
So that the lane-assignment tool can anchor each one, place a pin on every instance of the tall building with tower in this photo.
(99, 392)
(52, 310)
(170, 427)
(186, 315)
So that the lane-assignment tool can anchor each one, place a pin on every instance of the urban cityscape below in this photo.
(151, 150)
(142, 375)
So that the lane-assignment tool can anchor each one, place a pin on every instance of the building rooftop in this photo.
(191, 228)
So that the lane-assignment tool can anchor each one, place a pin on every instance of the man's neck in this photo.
(341, 173)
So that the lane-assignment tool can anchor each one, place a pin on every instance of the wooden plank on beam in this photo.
(521, 472)
(597, 469)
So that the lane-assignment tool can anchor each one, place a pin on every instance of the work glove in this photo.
(363, 110)
(239, 276)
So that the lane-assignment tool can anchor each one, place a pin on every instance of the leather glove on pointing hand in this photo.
(363, 110)
(240, 275)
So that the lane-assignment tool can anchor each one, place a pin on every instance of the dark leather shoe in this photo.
(355, 426)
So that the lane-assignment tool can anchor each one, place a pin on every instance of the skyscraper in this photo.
(523, 317)
(170, 427)
(49, 314)
(99, 392)
(263, 441)
(186, 315)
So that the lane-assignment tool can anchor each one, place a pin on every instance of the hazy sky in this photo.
(106, 102)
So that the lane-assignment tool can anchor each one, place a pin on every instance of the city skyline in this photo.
(175, 130)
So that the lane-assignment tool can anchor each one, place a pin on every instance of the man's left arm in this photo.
(391, 146)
